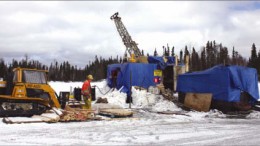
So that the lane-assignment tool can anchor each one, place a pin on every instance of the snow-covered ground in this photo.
(146, 127)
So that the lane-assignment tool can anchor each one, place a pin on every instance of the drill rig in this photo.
(131, 46)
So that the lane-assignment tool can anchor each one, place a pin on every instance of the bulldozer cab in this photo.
(31, 76)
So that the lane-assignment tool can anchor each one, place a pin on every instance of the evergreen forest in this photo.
(206, 57)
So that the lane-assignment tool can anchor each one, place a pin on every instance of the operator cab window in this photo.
(15, 78)
(35, 77)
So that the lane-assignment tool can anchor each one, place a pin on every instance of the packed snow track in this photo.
(145, 128)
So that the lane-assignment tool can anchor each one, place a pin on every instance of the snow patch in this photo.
(165, 105)
(117, 98)
(254, 115)
(143, 99)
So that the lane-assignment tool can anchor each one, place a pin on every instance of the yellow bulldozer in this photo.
(26, 94)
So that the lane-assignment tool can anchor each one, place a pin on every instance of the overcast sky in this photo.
(77, 31)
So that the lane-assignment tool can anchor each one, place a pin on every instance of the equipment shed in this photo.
(142, 75)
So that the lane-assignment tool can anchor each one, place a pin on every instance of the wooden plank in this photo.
(19, 120)
(48, 117)
(45, 117)
(198, 101)
(116, 112)
(173, 113)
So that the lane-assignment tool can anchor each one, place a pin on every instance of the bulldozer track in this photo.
(12, 108)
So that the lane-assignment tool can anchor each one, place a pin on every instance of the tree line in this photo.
(208, 56)
(62, 71)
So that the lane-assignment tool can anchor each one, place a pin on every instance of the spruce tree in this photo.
(155, 52)
(186, 53)
(258, 62)
(253, 58)
(168, 51)
(203, 59)
(181, 56)
(194, 60)
(172, 53)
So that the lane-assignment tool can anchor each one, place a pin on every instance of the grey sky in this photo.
(77, 31)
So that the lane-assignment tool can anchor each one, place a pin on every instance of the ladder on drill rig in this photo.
(131, 46)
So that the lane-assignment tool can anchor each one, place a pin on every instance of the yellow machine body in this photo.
(29, 85)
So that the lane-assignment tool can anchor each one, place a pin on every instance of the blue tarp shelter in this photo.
(142, 75)
(161, 62)
(224, 82)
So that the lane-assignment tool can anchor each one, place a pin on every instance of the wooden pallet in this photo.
(76, 114)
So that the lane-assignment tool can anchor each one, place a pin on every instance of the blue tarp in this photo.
(161, 62)
(142, 75)
(224, 82)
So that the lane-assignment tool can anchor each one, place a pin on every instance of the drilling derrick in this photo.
(131, 46)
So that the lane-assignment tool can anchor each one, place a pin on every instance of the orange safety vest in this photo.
(86, 88)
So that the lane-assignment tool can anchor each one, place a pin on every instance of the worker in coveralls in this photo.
(86, 92)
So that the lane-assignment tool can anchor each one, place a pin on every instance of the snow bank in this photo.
(141, 98)
(117, 98)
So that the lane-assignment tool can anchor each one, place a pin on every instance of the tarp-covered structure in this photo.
(224, 82)
(142, 75)
(162, 62)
